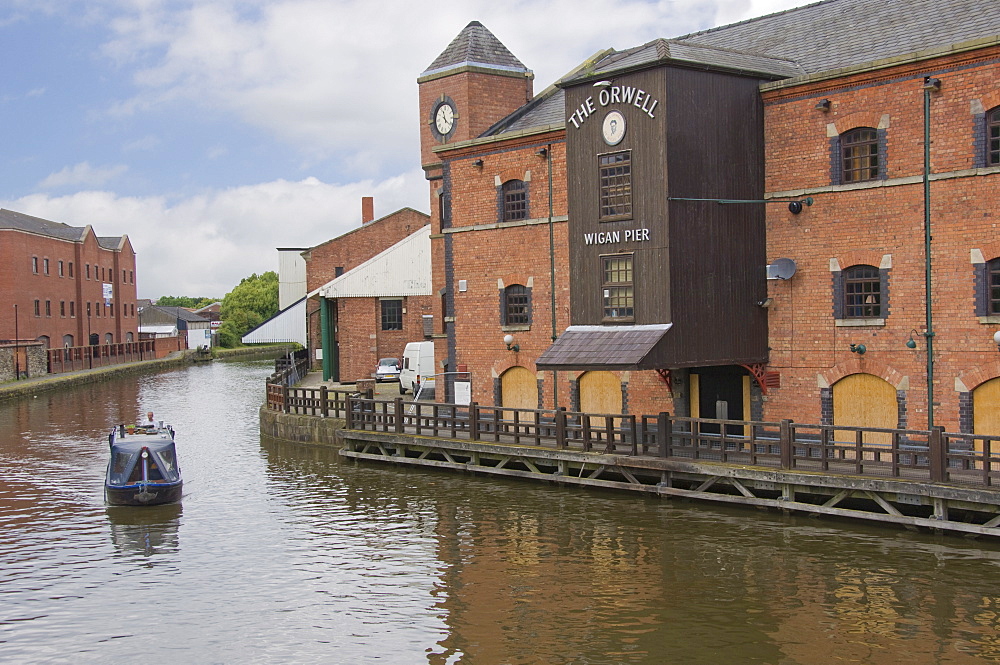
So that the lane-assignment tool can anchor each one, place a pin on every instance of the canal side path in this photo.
(893, 492)
(46, 382)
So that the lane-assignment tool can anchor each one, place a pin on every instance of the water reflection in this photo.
(283, 552)
(146, 530)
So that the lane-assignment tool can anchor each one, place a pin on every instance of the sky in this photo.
(212, 132)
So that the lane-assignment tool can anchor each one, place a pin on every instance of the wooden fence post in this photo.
(400, 419)
(785, 443)
(938, 454)
(561, 428)
(349, 415)
(324, 405)
(664, 433)
(634, 432)
(284, 399)
(474, 421)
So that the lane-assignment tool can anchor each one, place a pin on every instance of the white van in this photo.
(418, 366)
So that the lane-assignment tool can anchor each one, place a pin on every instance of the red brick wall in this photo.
(480, 101)
(361, 338)
(21, 286)
(355, 247)
(884, 218)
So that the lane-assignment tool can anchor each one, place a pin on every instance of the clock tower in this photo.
(473, 84)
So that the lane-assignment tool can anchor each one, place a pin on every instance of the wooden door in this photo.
(518, 390)
(986, 411)
(600, 392)
(864, 400)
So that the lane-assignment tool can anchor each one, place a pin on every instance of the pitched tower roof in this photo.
(477, 47)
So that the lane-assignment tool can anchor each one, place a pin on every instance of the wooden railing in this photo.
(921, 455)
(72, 358)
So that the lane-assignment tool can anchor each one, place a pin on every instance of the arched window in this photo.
(993, 137)
(516, 306)
(862, 293)
(515, 200)
(109, 338)
(67, 340)
(859, 153)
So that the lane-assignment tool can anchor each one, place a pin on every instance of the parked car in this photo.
(387, 370)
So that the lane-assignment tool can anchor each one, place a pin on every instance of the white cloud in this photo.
(82, 175)
(339, 78)
(205, 244)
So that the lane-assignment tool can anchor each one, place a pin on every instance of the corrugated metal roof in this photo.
(288, 325)
(401, 270)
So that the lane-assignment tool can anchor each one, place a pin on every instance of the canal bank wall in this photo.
(33, 386)
(301, 428)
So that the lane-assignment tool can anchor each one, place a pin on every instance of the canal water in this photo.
(282, 553)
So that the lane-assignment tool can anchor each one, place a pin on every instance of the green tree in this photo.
(253, 301)
(184, 301)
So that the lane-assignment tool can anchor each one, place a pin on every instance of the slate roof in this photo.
(21, 222)
(183, 314)
(813, 38)
(608, 347)
(822, 36)
(833, 34)
(476, 46)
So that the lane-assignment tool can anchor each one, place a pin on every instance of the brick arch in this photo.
(991, 100)
(862, 365)
(513, 173)
(974, 377)
(508, 361)
(858, 119)
(860, 257)
(990, 250)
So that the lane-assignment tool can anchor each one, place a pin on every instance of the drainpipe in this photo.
(930, 85)
(552, 277)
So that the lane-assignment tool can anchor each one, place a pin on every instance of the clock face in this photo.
(444, 119)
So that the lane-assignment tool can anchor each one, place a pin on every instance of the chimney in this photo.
(367, 209)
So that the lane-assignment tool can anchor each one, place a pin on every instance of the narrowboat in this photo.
(143, 469)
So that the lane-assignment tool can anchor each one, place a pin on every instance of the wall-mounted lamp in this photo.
(541, 152)
(795, 207)
(996, 339)
(511, 346)
(765, 303)
(478, 163)
(602, 84)
(932, 84)
(910, 343)
(823, 105)
(858, 349)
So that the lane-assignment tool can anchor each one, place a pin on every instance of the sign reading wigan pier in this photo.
(615, 95)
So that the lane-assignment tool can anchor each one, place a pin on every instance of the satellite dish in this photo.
(781, 269)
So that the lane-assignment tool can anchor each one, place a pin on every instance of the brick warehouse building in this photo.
(357, 310)
(70, 287)
(649, 170)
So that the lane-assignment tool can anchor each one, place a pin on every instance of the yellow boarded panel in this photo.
(986, 410)
(864, 400)
(518, 390)
(600, 392)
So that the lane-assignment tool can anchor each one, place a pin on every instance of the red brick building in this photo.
(66, 285)
(730, 223)
(366, 296)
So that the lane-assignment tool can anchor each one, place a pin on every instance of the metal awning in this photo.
(604, 347)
